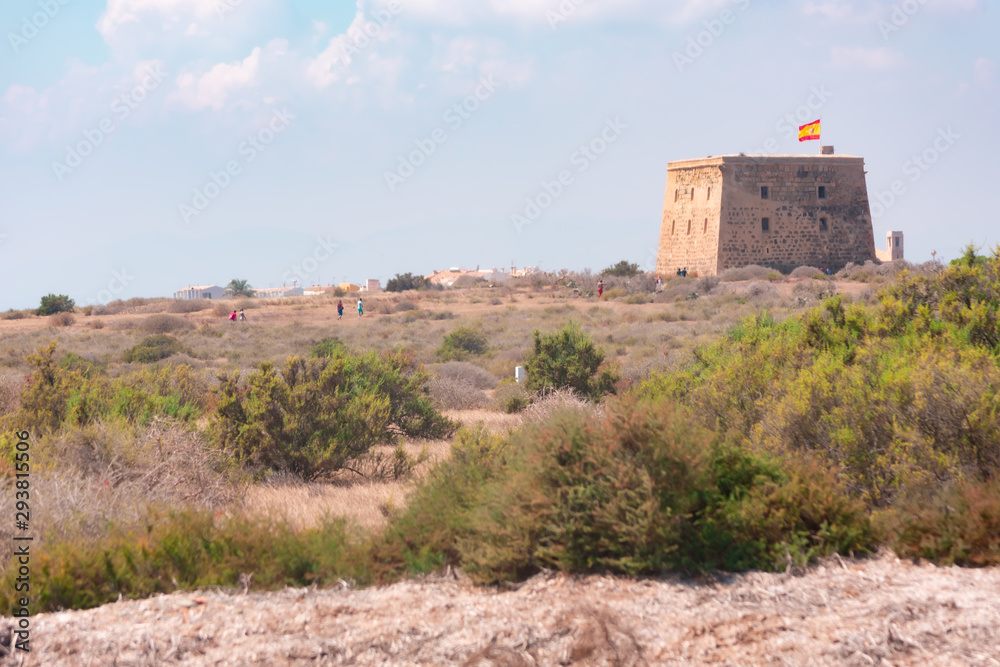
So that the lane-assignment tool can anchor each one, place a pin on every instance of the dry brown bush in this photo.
(161, 324)
(91, 475)
(556, 400)
(463, 370)
(189, 305)
(135, 305)
(804, 272)
(61, 320)
(455, 394)
(750, 272)
(404, 306)
(10, 393)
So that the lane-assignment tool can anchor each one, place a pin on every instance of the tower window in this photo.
(763, 192)
(897, 241)
(821, 192)
(705, 230)
(765, 224)
(709, 194)
(673, 227)
(692, 194)
(822, 225)
(677, 194)
(689, 228)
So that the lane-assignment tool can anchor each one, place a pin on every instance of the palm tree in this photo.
(239, 287)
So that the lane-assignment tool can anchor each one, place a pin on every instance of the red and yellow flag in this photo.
(809, 131)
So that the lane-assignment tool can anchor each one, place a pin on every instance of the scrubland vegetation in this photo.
(744, 421)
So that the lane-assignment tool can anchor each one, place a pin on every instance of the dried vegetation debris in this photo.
(875, 612)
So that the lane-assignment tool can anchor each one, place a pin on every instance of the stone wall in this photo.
(689, 231)
(814, 212)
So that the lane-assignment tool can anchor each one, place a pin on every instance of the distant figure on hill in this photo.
(684, 272)
(232, 316)
(340, 310)
(361, 308)
(658, 283)
(243, 318)
(678, 272)
(600, 288)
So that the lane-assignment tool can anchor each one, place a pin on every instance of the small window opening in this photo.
(677, 193)
(673, 227)
(822, 192)
(689, 228)
(764, 192)
(765, 224)
(705, 230)
(897, 241)
(692, 194)
(708, 195)
(822, 225)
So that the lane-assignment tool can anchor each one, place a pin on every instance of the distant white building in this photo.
(200, 292)
(274, 292)
(371, 285)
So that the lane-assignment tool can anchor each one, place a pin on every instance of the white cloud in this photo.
(537, 12)
(120, 13)
(213, 87)
(878, 58)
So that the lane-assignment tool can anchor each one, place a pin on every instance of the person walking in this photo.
(232, 316)
(243, 318)
(361, 308)
(340, 309)
(600, 288)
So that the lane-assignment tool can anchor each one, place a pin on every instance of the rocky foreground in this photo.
(853, 612)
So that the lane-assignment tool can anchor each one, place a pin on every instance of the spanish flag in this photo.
(809, 131)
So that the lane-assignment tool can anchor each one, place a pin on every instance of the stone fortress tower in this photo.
(780, 211)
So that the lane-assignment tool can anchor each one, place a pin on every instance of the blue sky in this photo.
(150, 144)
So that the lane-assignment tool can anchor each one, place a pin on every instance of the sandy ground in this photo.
(854, 612)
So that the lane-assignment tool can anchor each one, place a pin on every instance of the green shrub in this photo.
(320, 413)
(55, 303)
(462, 343)
(640, 491)
(405, 281)
(568, 358)
(900, 395)
(152, 349)
(185, 549)
(328, 347)
(623, 269)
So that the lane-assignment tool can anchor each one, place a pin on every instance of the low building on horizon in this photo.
(200, 292)
(277, 292)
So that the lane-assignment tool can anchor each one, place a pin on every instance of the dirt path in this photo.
(875, 612)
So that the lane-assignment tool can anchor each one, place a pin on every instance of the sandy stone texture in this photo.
(880, 611)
